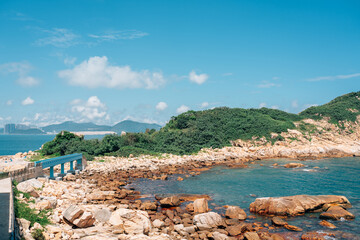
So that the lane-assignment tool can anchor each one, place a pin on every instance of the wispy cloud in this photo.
(266, 84)
(22, 69)
(58, 37)
(118, 35)
(333, 78)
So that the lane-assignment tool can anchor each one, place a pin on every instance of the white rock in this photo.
(133, 221)
(208, 220)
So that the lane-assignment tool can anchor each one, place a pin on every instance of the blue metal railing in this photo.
(52, 162)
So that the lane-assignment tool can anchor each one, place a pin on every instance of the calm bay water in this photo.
(339, 176)
(12, 144)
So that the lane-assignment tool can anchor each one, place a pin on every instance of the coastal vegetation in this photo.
(343, 108)
(189, 132)
(22, 209)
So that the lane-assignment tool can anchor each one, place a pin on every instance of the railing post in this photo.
(51, 172)
(63, 168)
(71, 165)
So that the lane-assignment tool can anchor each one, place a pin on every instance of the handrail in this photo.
(58, 160)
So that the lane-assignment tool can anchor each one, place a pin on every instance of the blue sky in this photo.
(106, 61)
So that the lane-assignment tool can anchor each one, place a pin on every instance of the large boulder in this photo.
(172, 201)
(29, 186)
(336, 213)
(72, 213)
(201, 205)
(251, 236)
(86, 220)
(235, 212)
(208, 220)
(132, 221)
(295, 205)
(76, 216)
(102, 215)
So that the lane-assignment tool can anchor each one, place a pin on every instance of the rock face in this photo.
(295, 205)
(336, 212)
(208, 220)
(235, 212)
(201, 205)
(132, 221)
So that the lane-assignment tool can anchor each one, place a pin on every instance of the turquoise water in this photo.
(12, 144)
(339, 176)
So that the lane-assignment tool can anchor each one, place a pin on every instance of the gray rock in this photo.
(102, 215)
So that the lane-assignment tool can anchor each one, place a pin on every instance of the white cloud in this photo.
(294, 104)
(161, 106)
(9, 102)
(1, 119)
(204, 105)
(119, 35)
(91, 109)
(182, 109)
(58, 37)
(27, 101)
(69, 60)
(275, 107)
(97, 72)
(332, 78)
(261, 105)
(266, 84)
(21, 69)
(198, 78)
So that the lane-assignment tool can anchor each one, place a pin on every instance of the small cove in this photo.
(334, 176)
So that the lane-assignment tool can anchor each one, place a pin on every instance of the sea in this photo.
(12, 144)
(240, 187)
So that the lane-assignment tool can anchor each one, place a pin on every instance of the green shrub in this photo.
(22, 210)
(37, 234)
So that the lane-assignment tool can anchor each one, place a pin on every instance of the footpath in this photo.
(6, 209)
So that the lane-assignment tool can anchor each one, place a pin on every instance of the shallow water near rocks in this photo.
(336, 176)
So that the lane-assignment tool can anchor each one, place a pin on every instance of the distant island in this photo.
(88, 128)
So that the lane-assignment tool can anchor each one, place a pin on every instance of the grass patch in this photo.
(22, 209)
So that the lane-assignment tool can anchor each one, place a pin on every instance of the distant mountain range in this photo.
(126, 126)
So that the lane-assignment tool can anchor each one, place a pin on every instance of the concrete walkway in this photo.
(6, 209)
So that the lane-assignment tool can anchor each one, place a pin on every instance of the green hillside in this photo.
(191, 131)
(345, 107)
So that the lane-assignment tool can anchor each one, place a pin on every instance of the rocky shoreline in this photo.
(97, 204)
